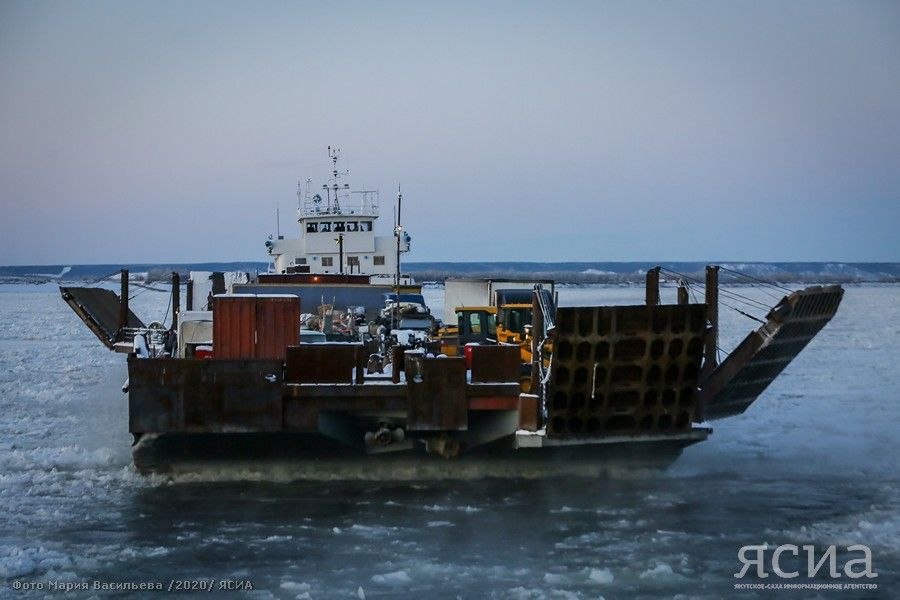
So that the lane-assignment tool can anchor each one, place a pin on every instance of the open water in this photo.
(813, 462)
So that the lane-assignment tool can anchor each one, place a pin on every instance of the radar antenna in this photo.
(303, 194)
(336, 186)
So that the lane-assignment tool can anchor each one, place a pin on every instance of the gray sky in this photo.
(169, 131)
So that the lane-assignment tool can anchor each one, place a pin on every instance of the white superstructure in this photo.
(337, 233)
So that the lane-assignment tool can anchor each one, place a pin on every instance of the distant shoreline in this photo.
(563, 272)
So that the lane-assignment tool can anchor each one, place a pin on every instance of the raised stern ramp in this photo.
(739, 380)
(99, 308)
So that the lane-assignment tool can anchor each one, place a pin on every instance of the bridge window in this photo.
(312, 227)
(365, 226)
(327, 261)
(325, 227)
(299, 261)
(378, 261)
(339, 226)
(352, 226)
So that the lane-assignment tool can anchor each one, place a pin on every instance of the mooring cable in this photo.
(749, 316)
(763, 281)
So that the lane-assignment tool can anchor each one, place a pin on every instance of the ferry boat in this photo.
(232, 377)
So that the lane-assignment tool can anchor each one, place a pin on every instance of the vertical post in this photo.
(398, 230)
(397, 362)
(712, 316)
(123, 300)
(341, 251)
(360, 356)
(537, 336)
(176, 299)
(653, 286)
(683, 294)
(189, 289)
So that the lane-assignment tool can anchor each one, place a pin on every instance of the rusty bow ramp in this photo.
(740, 379)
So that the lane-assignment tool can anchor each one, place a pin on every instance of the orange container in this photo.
(255, 325)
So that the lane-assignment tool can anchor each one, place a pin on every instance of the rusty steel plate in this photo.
(196, 395)
(496, 363)
(322, 363)
(436, 393)
(624, 369)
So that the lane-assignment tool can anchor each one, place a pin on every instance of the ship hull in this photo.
(312, 456)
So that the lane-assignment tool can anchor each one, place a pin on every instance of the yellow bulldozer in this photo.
(507, 322)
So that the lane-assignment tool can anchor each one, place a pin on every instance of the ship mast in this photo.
(334, 154)
(398, 232)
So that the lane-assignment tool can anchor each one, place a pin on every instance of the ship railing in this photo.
(360, 209)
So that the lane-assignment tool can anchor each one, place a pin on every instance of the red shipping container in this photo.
(255, 325)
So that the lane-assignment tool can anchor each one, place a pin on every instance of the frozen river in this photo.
(814, 461)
